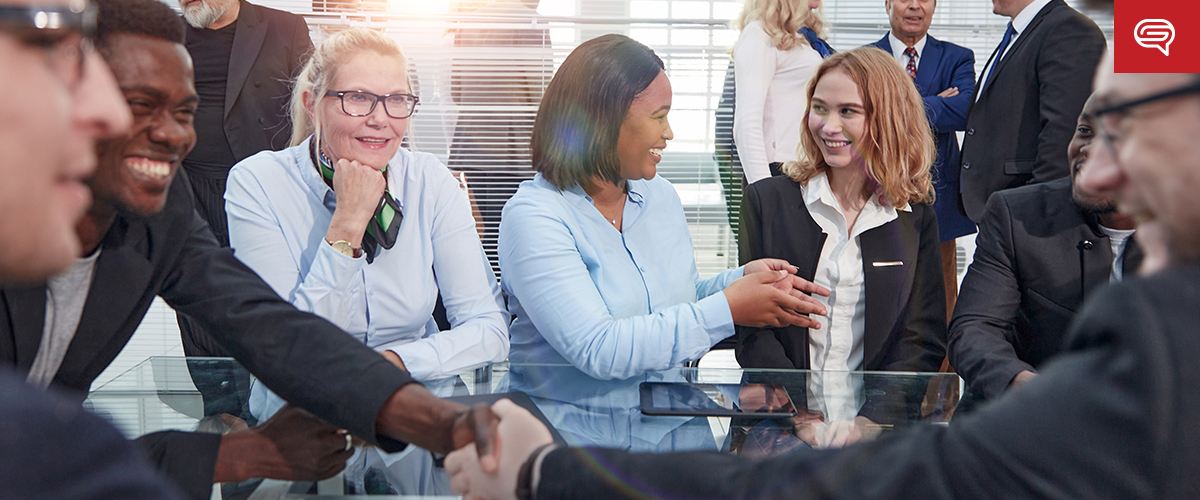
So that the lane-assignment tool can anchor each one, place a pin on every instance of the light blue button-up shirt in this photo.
(612, 303)
(279, 211)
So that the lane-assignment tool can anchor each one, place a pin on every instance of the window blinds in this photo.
(480, 67)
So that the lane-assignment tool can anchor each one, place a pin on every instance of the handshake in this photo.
(509, 444)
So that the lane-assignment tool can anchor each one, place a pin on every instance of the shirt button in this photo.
(967, 166)
(971, 131)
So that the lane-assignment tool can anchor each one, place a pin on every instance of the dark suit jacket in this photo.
(906, 305)
(1037, 257)
(270, 48)
(1023, 119)
(1114, 417)
(943, 65)
(53, 448)
(172, 254)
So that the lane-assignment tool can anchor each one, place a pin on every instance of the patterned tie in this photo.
(912, 62)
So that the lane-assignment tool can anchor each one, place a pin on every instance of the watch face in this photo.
(343, 247)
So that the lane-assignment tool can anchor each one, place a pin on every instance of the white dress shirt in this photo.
(898, 48)
(1119, 239)
(1019, 24)
(838, 344)
(770, 100)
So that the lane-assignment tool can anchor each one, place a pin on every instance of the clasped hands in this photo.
(770, 294)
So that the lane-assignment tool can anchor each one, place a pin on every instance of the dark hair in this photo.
(140, 17)
(578, 123)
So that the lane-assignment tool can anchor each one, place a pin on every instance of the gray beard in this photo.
(204, 15)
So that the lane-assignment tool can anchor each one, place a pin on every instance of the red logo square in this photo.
(1156, 36)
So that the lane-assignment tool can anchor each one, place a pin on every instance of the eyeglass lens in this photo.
(360, 103)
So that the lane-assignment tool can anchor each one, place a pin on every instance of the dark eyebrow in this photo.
(665, 107)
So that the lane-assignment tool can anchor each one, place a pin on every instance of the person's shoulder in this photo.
(952, 49)
(1157, 311)
(754, 31)
(272, 14)
(268, 163)
(536, 194)
(777, 186)
(1060, 16)
(1039, 194)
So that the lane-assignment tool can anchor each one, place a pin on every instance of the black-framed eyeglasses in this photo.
(361, 103)
(1109, 118)
(64, 32)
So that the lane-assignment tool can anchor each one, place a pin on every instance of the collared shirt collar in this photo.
(1027, 14)
(819, 190)
(898, 48)
(397, 175)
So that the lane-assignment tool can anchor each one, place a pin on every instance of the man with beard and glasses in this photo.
(141, 238)
(245, 58)
(1041, 251)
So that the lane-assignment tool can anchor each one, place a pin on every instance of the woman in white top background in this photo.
(773, 61)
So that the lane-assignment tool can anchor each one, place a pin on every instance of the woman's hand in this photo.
(774, 299)
(359, 188)
(766, 265)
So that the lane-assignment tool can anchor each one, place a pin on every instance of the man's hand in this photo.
(293, 445)
(520, 434)
(760, 300)
(414, 415)
(846, 432)
(950, 92)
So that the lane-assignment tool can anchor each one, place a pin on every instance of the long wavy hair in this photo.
(898, 147)
(322, 69)
(781, 19)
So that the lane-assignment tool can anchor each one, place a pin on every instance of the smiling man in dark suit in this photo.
(1029, 95)
(945, 76)
(1041, 251)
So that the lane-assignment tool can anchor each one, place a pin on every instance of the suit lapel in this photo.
(927, 67)
(1022, 38)
(247, 41)
(27, 313)
(885, 44)
(122, 263)
(887, 286)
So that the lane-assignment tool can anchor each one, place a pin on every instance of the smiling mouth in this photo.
(372, 141)
(152, 169)
(835, 144)
(656, 152)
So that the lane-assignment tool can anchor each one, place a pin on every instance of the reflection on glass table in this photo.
(823, 409)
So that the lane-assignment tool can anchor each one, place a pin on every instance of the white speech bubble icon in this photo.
(1155, 34)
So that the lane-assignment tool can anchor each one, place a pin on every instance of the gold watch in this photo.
(344, 247)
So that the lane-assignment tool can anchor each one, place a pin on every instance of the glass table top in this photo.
(206, 394)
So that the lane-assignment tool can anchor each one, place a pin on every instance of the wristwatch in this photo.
(344, 247)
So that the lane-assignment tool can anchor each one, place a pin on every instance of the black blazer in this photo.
(1037, 257)
(173, 255)
(270, 48)
(906, 304)
(1023, 119)
(1113, 417)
